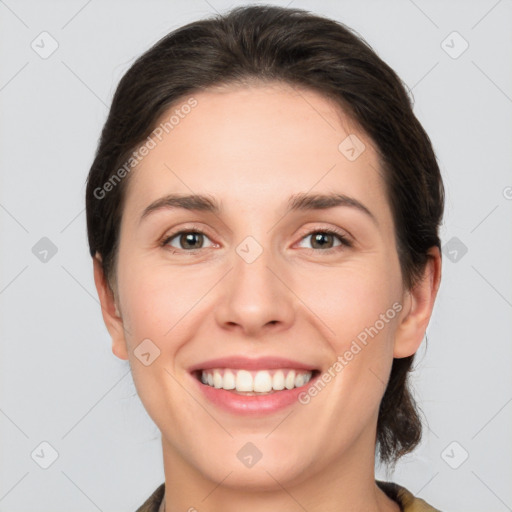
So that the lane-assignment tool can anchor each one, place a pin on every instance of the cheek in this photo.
(357, 309)
(353, 300)
(157, 299)
(159, 305)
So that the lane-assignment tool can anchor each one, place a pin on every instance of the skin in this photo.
(251, 147)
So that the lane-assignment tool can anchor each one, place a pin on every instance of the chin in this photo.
(267, 474)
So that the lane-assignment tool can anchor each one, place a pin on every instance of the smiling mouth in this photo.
(262, 382)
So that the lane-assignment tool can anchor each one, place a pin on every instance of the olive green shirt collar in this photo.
(406, 501)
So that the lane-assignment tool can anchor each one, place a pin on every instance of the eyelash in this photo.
(344, 241)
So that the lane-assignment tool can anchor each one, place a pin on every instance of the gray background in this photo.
(60, 382)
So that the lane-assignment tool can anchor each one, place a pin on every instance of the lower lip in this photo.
(253, 404)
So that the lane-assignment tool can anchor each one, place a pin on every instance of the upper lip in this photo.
(245, 363)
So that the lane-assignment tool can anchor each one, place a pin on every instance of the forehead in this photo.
(257, 144)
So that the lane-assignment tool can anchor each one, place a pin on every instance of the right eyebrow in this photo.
(197, 202)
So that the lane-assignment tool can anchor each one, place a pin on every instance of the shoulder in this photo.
(152, 504)
(406, 500)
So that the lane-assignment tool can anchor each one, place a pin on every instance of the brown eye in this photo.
(322, 240)
(327, 239)
(187, 240)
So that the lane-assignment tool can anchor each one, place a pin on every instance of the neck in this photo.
(344, 483)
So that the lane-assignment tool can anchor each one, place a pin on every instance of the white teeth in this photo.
(290, 380)
(244, 381)
(263, 381)
(278, 380)
(229, 380)
(217, 379)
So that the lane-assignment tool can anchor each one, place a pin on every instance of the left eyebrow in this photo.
(324, 201)
(297, 202)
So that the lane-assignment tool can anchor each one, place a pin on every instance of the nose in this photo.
(254, 299)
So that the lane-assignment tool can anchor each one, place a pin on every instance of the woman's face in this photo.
(264, 280)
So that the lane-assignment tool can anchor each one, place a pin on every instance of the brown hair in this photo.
(293, 46)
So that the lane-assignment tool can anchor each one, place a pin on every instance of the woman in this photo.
(263, 214)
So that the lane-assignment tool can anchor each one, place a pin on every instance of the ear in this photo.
(418, 305)
(109, 310)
